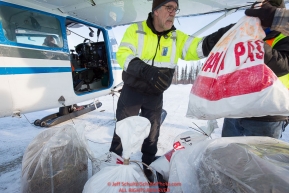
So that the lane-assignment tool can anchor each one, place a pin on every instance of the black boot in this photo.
(149, 174)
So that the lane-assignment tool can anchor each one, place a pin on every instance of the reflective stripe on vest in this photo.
(142, 33)
(284, 79)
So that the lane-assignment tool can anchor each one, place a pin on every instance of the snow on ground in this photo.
(17, 133)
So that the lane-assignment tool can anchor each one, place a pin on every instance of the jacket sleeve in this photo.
(127, 50)
(196, 48)
(277, 58)
(137, 68)
(211, 40)
(127, 54)
(281, 21)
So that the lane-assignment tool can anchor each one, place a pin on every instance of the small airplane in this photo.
(59, 53)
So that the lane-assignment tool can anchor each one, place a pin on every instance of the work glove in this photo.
(159, 78)
(156, 78)
(265, 14)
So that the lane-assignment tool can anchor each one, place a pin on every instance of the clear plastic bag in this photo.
(55, 161)
(232, 164)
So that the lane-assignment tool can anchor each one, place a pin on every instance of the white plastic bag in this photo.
(234, 81)
(123, 178)
(110, 159)
(182, 141)
(132, 131)
(113, 179)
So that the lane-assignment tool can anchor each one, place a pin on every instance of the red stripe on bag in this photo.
(169, 155)
(118, 161)
(244, 81)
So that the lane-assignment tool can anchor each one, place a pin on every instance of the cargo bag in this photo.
(127, 177)
(56, 161)
(232, 164)
(234, 82)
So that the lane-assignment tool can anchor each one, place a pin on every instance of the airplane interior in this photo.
(90, 70)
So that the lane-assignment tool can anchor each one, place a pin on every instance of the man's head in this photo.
(158, 3)
(164, 12)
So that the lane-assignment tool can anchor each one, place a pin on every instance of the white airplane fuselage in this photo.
(33, 76)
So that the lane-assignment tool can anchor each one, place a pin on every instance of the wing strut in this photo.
(214, 22)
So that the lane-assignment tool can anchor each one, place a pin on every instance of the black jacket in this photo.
(277, 59)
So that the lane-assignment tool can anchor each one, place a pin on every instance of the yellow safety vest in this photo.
(285, 78)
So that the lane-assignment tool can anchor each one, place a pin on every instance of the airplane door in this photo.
(90, 56)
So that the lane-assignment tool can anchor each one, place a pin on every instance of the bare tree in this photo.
(186, 75)
(182, 76)
(176, 75)
(190, 75)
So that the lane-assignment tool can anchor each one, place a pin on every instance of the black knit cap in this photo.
(158, 3)
(277, 3)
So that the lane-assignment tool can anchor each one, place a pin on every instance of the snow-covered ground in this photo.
(17, 133)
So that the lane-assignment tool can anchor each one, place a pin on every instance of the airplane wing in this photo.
(113, 13)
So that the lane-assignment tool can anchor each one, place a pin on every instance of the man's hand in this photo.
(265, 14)
(156, 78)
(159, 78)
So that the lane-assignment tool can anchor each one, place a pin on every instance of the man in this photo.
(271, 16)
(49, 41)
(276, 47)
(148, 54)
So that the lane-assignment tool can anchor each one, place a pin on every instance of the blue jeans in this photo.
(247, 127)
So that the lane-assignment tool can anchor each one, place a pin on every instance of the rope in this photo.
(202, 131)
(113, 109)
(29, 121)
(137, 162)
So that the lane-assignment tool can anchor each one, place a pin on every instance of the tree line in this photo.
(187, 74)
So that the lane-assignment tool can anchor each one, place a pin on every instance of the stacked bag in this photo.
(132, 131)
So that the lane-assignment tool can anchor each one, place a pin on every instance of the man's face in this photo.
(164, 16)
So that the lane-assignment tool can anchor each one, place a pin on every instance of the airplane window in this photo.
(32, 28)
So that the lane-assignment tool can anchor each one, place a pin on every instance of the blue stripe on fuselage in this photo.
(37, 70)
(32, 70)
